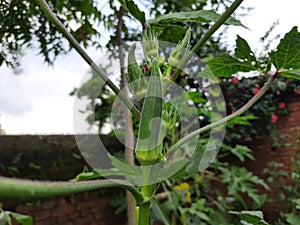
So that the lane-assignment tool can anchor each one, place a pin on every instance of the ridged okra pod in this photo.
(134, 71)
(149, 144)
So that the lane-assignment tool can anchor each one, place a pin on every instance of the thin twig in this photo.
(243, 109)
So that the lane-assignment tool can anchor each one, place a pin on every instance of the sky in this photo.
(38, 102)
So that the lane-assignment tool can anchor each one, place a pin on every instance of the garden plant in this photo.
(170, 142)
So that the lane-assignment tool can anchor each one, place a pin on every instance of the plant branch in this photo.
(207, 35)
(243, 109)
(18, 188)
(44, 5)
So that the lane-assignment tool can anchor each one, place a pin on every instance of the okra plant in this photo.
(160, 152)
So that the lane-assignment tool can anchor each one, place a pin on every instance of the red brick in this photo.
(84, 212)
(49, 204)
(25, 209)
(61, 202)
(50, 221)
(61, 219)
(99, 216)
(63, 211)
(42, 215)
(85, 220)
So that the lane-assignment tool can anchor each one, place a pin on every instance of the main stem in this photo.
(144, 213)
(144, 208)
(148, 191)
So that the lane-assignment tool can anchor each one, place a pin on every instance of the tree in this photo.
(24, 26)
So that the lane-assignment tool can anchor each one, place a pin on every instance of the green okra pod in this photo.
(149, 144)
(134, 71)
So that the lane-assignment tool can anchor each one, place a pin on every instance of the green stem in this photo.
(207, 35)
(243, 109)
(18, 188)
(144, 213)
(53, 18)
(148, 191)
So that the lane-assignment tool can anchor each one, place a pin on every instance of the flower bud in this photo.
(181, 50)
(150, 43)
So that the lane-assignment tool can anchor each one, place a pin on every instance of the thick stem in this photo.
(148, 191)
(207, 35)
(44, 5)
(18, 188)
(144, 213)
(243, 109)
(129, 139)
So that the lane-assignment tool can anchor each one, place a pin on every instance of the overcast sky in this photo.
(38, 101)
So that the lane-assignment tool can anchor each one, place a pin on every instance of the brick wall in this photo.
(264, 152)
(92, 208)
(45, 157)
(56, 157)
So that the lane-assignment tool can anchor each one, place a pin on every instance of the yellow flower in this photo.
(183, 186)
(188, 198)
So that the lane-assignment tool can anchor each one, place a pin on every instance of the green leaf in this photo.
(86, 176)
(241, 120)
(204, 155)
(287, 54)
(202, 16)
(5, 218)
(121, 168)
(193, 166)
(173, 169)
(291, 74)
(292, 219)
(133, 9)
(241, 152)
(251, 217)
(124, 167)
(22, 219)
(149, 144)
(159, 212)
(244, 52)
(297, 203)
(226, 65)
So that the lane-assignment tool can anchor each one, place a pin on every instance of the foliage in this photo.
(287, 186)
(263, 115)
(23, 22)
(238, 89)
(7, 216)
(24, 25)
(251, 217)
(207, 197)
